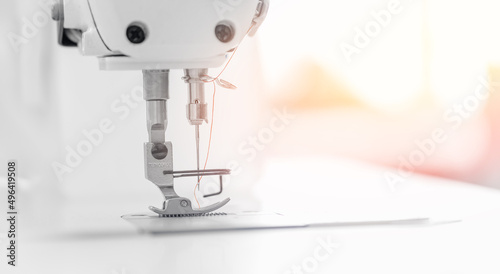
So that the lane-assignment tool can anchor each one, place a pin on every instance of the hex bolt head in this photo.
(224, 32)
(136, 34)
(184, 203)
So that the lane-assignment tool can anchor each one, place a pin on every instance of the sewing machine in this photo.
(155, 37)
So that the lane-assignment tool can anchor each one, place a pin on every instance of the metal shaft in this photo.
(197, 107)
(157, 120)
(156, 94)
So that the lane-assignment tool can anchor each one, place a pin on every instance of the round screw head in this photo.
(224, 33)
(184, 203)
(159, 151)
(136, 34)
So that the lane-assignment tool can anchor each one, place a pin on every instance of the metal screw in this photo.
(159, 151)
(184, 203)
(224, 33)
(136, 34)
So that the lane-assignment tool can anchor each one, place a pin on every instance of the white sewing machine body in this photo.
(178, 34)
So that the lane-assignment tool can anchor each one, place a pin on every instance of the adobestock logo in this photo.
(454, 118)
(265, 136)
(322, 252)
(94, 137)
(250, 149)
(223, 6)
(31, 26)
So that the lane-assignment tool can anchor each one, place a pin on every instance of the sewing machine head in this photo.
(156, 36)
(149, 34)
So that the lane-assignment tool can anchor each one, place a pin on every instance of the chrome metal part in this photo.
(158, 153)
(159, 170)
(202, 173)
(192, 173)
(155, 169)
(156, 94)
(181, 207)
(221, 188)
(197, 106)
(196, 110)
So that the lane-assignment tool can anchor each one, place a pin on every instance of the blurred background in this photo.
(411, 85)
(372, 86)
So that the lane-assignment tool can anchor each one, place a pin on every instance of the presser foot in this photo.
(181, 207)
(159, 170)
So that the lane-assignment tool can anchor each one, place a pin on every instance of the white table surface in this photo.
(92, 238)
